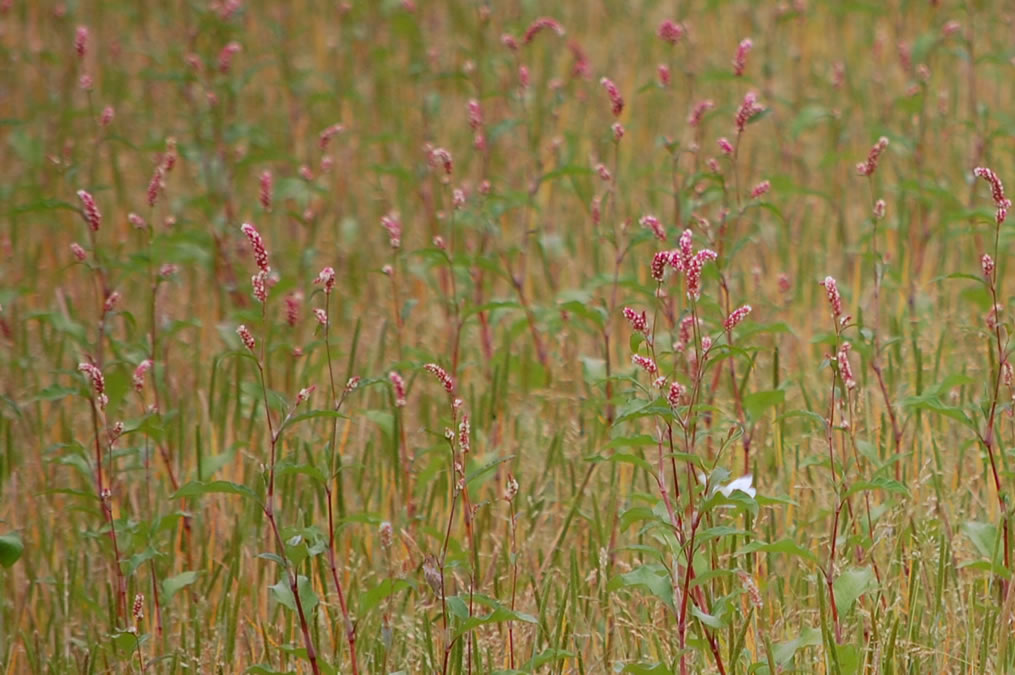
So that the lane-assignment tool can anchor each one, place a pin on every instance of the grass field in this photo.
(454, 337)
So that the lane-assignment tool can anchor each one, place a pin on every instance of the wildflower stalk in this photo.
(988, 438)
(336, 475)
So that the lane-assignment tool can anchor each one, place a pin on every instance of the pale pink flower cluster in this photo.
(616, 100)
(305, 394)
(245, 336)
(265, 192)
(651, 222)
(761, 189)
(846, 370)
(293, 305)
(257, 244)
(740, 60)
(543, 22)
(326, 278)
(663, 72)
(676, 394)
(645, 363)
(393, 225)
(670, 31)
(442, 375)
(870, 165)
(639, 322)
(996, 191)
(698, 112)
(81, 41)
(735, 317)
(98, 382)
(226, 56)
(747, 110)
(832, 293)
(987, 263)
(325, 136)
(398, 384)
(92, 215)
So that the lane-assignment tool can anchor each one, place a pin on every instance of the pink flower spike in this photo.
(663, 72)
(81, 41)
(659, 262)
(618, 131)
(265, 192)
(398, 384)
(475, 114)
(79, 253)
(155, 186)
(868, 166)
(226, 56)
(245, 336)
(845, 370)
(321, 316)
(327, 134)
(523, 77)
(834, 299)
(304, 394)
(879, 209)
(293, 305)
(740, 60)
(996, 191)
(393, 225)
(544, 22)
(698, 112)
(652, 223)
(645, 363)
(748, 109)
(259, 282)
(112, 300)
(670, 31)
(442, 375)
(94, 375)
(761, 189)
(987, 264)
(604, 173)
(735, 317)
(326, 278)
(257, 243)
(107, 116)
(675, 394)
(616, 100)
(139, 374)
(92, 215)
(439, 157)
(509, 41)
(725, 146)
(639, 322)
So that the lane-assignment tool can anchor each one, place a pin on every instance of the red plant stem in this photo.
(269, 512)
(107, 513)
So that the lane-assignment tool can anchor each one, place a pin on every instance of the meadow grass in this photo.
(457, 337)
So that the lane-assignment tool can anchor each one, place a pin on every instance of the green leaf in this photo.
(652, 577)
(850, 585)
(760, 401)
(983, 536)
(197, 488)
(11, 549)
(878, 483)
(265, 669)
(784, 651)
(171, 585)
(785, 545)
(284, 595)
(500, 614)
(373, 597)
